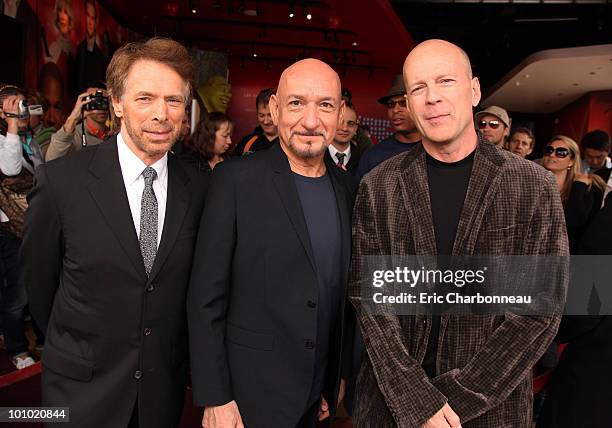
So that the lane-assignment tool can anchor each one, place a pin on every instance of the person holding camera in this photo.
(19, 155)
(86, 125)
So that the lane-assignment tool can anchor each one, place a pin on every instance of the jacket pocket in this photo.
(67, 365)
(250, 339)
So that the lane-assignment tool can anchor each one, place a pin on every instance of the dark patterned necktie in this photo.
(340, 157)
(148, 220)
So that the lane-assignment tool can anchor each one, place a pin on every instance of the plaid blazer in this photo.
(484, 362)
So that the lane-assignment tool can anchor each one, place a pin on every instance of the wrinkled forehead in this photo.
(434, 60)
(153, 76)
(304, 82)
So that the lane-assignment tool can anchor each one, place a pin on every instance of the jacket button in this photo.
(150, 288)
(311, 304)
(137, 374)
(309, 344)
(147, 331)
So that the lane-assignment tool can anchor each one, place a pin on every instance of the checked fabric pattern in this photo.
(148, 220)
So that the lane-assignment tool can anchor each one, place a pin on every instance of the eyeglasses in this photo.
(493, 124)
(391, 104)
(560, 152)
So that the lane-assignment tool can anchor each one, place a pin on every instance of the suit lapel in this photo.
(176, 208)
(483, 184)
(413, 183)
(285, 186)
(108, 191)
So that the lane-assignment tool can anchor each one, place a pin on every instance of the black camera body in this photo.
(96, 101)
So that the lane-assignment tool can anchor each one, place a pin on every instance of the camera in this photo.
(22, 111)
(96, 101)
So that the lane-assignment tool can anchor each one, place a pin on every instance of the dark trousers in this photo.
(13, 298)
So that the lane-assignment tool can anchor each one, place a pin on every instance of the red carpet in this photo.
(22, 388)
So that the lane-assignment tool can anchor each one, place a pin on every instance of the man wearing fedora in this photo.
(494, 125)
(405, 135)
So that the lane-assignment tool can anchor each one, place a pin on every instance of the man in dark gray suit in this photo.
(107, 252)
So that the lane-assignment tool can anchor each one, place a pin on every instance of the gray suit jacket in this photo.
(512, 207)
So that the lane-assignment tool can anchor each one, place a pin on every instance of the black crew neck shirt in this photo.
(448, 184)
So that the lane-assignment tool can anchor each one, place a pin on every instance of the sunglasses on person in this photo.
(560, 152)
(392, 104)
(493, 124)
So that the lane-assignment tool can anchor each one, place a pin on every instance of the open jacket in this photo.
(484, 362)
(253, 295)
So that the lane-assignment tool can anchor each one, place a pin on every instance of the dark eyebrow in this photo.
(152, 95)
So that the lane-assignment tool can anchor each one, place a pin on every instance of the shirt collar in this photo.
(132, 166)
(333, 151)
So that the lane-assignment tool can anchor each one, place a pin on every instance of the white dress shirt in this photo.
(333, 151)
(131, 169)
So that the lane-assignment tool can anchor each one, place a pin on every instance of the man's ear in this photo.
(117, 107)
(475, 91)
(273, 104)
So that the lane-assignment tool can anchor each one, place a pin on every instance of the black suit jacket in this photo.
(253, 295)
(353, 162)
(112, 333)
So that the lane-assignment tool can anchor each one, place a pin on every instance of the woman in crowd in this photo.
(578, 393)
(211, 142)
(581, 194)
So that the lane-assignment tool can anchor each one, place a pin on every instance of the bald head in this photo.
(306, 108)
(441, 93)
(441, 48)
(308, 67)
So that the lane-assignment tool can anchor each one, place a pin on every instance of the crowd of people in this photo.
(141, 235)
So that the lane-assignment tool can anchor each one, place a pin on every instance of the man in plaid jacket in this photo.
(453, 194)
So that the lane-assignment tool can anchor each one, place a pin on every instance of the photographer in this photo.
(19, 155)
(86, 124)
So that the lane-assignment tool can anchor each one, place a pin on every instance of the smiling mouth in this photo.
(158, 134)
(436, 117)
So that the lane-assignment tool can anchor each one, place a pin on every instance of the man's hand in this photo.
(324, 406)
(224, 416)
(445, 418)
(323, 409)
(75, 114)
(11, 105)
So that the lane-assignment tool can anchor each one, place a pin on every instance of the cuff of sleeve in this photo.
(412, 402)
(466, 403)
(207, 397)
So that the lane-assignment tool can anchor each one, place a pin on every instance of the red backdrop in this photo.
(248, 78)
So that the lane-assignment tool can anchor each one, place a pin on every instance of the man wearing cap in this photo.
(405, 135)
(494, 124)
